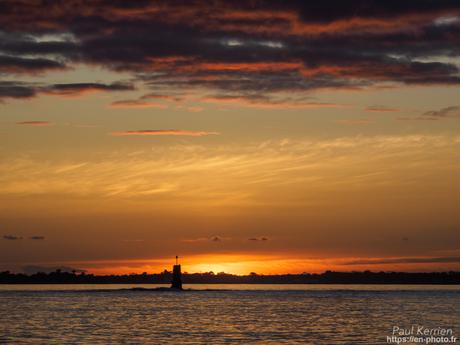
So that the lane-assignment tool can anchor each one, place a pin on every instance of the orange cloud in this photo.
(136, 104)
(164, 132)
(289, 21)
(246, 67)
(370, 24)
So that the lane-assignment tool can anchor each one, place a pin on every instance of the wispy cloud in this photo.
(77, 89)
(252, 171)
(12, 237)
(381, 108)
(205, 239)
(166, 97)
(452, 112)
(267, 103)
(24, 90)
(448, 112)
(136, 104)
(15, 237)
(164, 132)
(258, 239)
(35, 123)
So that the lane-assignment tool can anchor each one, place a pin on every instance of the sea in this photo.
(228, 314)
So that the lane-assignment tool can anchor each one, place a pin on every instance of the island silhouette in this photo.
(176, 278)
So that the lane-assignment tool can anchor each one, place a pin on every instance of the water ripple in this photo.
(340, 316)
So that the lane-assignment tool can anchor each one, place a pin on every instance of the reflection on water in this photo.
(267, 314)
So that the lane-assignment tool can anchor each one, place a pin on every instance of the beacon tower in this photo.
(177, 276)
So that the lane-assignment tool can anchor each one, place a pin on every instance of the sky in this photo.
(244, 136)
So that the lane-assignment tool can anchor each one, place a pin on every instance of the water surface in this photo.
(240, 314)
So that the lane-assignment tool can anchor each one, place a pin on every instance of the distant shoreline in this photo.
(329, 277)
(349, 283)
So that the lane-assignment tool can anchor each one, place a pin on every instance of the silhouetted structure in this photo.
(166, 277)
(177, 276)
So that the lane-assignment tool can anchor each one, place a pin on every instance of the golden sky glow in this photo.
(253, 150)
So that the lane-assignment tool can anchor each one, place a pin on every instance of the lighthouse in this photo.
(177, 276)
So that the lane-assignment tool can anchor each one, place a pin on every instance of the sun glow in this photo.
(245, 264)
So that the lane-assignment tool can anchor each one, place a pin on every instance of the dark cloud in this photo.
(12, 89)
(244, 47)
(243, 84)
(258, 239)
(264, 102)
(333, 10)
(37, 238)
(78, 88)
(15, 64)
(452, 112)
(11, 237)
(24, 53)
(13, 43)
(34, 123)
(448, 112)
(15, 238)
(220, 11)
(206, 239)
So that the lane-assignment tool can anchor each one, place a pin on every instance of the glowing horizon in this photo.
(241, 264)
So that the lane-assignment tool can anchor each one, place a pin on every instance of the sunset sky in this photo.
(266, 136)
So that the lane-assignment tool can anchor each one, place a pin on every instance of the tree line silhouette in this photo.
(328, 277)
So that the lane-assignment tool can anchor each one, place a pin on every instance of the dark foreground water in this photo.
(244, 314)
